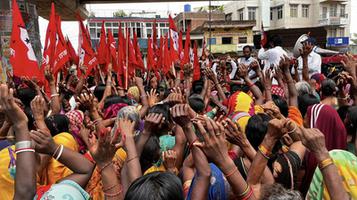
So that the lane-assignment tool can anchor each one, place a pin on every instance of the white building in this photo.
(333, 15)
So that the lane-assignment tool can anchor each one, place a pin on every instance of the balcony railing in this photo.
(333, 21)
(323, 1)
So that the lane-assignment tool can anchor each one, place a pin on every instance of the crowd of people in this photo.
(263, 127)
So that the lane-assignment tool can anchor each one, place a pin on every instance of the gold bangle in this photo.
(245, 192)
(264, 151)
(323, 164)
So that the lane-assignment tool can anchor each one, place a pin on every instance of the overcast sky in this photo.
(71, 28)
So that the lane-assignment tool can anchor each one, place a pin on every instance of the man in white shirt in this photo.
(247, 59)
(273, 55)
(313, 61)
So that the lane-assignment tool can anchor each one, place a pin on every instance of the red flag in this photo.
(186, 58)
(139, 59)
(173, 34)
(154, 35)
(102, 47)
(86, 53)
(166, 59)
(150, 56)
(159, 54)
(61, 52)
(112, 51)
(72, 53)
(22, 59)
(121, 51)
(180, 47)
(131, 56)
(264, 37)
(50, 41)
(196, 64)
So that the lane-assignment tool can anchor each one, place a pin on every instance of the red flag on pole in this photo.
(150, 56)
(264, 38)
(159, 54)
(154, 35)
(86, 53)
(102, 47)
(72, 53)
(196, 64)
(166, 59)
(61, 52)
(180, 46)
(139, 58)
(121, 51)
(22, 59)
(50, 41)
(112, 51)
(186, 58)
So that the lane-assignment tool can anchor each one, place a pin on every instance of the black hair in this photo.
(249, 47)
(305, 101)
(163, 109)
(150, 153)
(352, 116)
(113, 99)
(328, 88)
(282, 104)
(196, 103)
(156, 186)
(276, 40)
(31, 120)
(197, 86)
(91, 81)
(26, 95)
(239, 87)
(256, 129)
(57, 123)
(342, 112)
(99, 91)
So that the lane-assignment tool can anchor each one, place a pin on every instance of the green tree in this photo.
(120, 13)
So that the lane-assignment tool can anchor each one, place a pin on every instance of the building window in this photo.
(107, 24)
(305, 11)
(241, 14)
(342, 32)
(228, 17)
(251, 13)
(294, 10)
(324, 12)
(242, 40)
(333, 33)
(342, 10)
(212, 41)
(92, 32)
(280, 12)
(271, 13)
(148, 33)
(226, 40)
(333, 10)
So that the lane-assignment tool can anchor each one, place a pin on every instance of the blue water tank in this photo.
(187, 8)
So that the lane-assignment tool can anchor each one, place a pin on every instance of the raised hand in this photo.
(103, 149)
(350, 64)
(44, 142)
(243, 71)
(138, 81)
(272, 110)
(267, 79)
(169, 158)
(214, 144)
(37, 107)
(152, 122)
(233, 132)
(180, 115)
(83, 69)
(277, 128)
(49, 75)
(306, 49)
(284, 64)
(255, 66)
(152, 97)
(314, 140)
(10, 108)
(86, 100)
(126, 127)
(174, 98)
(210, 75)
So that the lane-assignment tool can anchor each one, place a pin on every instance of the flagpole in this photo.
(210, 18)
(127, 52)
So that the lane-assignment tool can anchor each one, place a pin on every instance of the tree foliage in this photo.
(120, 13)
